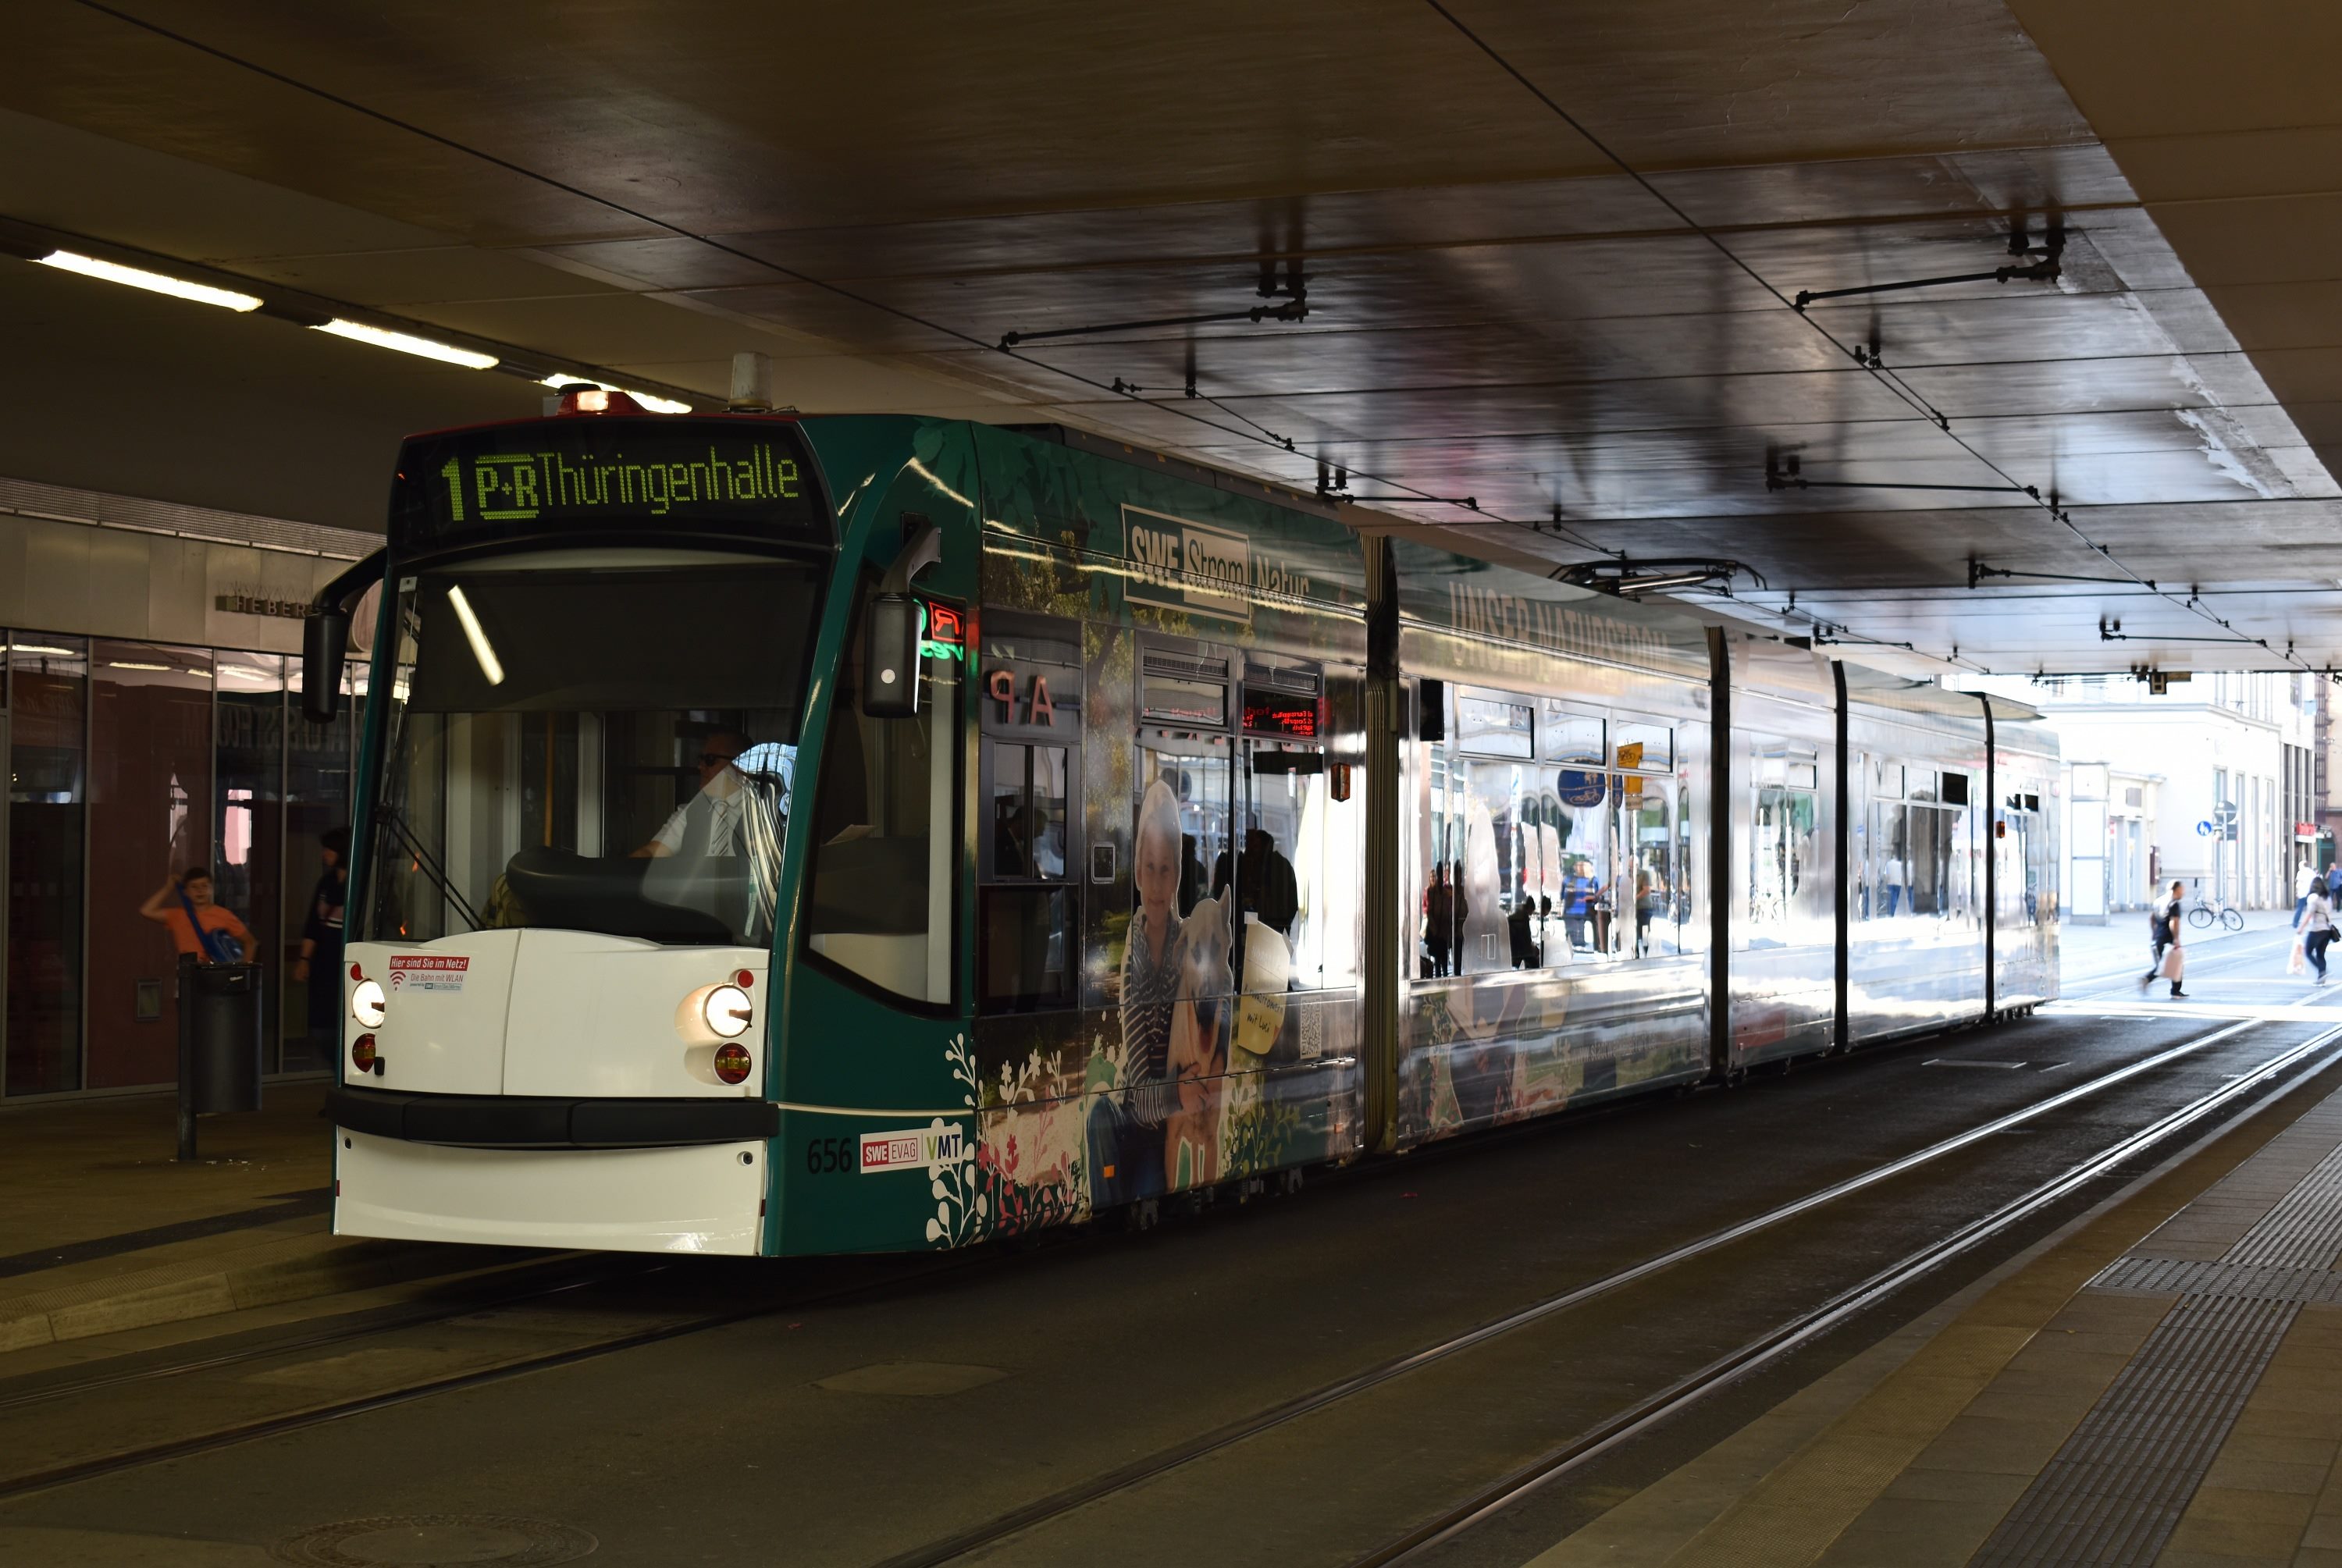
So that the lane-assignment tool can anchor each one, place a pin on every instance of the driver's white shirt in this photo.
(724, 793)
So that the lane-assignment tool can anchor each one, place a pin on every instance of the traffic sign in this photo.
(2203, 830)
(2225, 813)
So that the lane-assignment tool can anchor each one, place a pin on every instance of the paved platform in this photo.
(103, 1230)
(2162, 1384)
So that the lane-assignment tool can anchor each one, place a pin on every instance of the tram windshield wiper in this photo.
(394, 819)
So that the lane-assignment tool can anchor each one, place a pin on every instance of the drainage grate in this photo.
(2115, 1491)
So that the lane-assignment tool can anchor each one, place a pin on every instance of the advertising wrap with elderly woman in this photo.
(1158, 1128)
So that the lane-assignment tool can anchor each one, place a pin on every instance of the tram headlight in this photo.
(726, 1012)
(368, 1004)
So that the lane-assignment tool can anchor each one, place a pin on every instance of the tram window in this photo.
(1643, 745)
(1026, 944)
(1781, 874)
(1183, 688)
(1279, 871)
(536, 772)
(1194, 769)
(1028, 815)
(884, 843)
(1650, 886)
(1563, 736)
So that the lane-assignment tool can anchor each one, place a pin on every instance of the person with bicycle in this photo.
(2162, 930)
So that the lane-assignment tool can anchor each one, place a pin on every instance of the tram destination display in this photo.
(728, 475)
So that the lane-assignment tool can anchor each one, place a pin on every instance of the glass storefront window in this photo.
(249, 764)
(150, 803)
(48, 721)
(316, 803)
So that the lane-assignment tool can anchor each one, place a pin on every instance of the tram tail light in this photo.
(362, 1054)
(733, 1063)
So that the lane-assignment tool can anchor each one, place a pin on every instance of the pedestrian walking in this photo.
(2163, 931)
(2316, 928)
(2305, 882)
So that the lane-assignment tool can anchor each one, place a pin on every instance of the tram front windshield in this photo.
(590, 741)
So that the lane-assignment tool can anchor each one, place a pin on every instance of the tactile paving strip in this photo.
(2304, 1231)
(2169, 1276)
(2115, 1491)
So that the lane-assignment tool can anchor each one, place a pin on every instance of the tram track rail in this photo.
(1808, 1325)
(1749, 1358)
(572, 1274)
(50, 1478)
(1123, 1478)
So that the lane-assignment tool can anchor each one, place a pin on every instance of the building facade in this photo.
(2213, 783)
(150, 719)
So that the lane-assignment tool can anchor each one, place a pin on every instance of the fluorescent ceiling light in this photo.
(153, 282)
(651, 403)
(490, 665)
(406, 342)
(128, 664)
(39, 648)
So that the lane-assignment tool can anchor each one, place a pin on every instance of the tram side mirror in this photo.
(890, 657)
(325, 638)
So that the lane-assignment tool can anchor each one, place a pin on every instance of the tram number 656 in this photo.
(826, 1155)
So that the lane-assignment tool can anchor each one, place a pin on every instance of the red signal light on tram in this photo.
(733, 1063)
(743, 978)
(357, 972)
(945, 625)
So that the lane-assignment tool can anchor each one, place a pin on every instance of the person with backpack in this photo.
(197, 925)
(2316, 928)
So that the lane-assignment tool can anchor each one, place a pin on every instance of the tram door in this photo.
(1280, 869)
(1029, 850)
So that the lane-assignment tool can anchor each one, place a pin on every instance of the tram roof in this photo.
(1547, 266)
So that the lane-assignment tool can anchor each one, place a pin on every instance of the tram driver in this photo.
(708, 823)
(717, 854)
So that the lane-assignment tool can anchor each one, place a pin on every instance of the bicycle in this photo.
(2204, 911)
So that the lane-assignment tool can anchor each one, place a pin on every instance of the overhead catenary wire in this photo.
(778, 269)
(1886, 378)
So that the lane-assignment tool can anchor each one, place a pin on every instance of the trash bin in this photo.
(219, 1035)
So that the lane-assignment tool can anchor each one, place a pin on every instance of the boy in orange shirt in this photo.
(171, 903)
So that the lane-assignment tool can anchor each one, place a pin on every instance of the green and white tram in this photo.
(785, 835)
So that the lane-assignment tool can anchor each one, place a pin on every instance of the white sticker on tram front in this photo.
(429, 971)
(913, 1151)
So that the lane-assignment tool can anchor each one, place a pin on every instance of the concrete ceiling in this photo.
(1549, 258)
